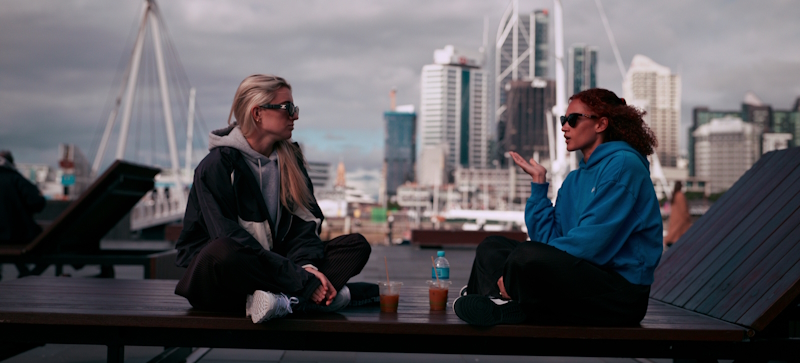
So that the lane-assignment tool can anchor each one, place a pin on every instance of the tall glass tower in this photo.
(522, 51)
(400, 147)
(582, 68)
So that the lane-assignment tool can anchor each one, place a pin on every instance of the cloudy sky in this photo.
(60, 61)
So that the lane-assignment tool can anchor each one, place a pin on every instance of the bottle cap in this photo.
(440, 253)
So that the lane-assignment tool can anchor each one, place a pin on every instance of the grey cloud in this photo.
(60, 58)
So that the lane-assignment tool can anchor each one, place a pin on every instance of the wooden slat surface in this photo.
(738, 262)
(152, 303)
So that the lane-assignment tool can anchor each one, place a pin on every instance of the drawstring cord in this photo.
(260, 175)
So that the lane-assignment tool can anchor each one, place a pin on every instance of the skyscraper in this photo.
(762, 116)
(526, 128)
(452, 109)
(400, 147)
(724, 149)
(657, 90)
(522, 50)
(582, 68)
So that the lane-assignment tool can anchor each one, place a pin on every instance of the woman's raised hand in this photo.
(536, 171)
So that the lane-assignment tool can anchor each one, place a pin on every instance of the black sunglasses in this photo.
(291, 108)
(572, 119)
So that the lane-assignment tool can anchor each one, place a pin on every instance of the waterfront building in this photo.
(725, 148)
(753, 110)
(522, 50)
(492, 188)
(452, 110)
(431, 166)
(400, 147)
(657, 90)
(320, 174)
(581, 68)
(775, 141)
(525, 128)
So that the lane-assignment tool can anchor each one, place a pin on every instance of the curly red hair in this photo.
(625, 123)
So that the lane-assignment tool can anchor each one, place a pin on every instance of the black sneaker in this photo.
(485, 311)
(463, 291)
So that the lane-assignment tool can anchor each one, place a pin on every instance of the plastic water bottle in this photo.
(442, 267)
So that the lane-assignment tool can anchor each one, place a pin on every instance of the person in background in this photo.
(679, 218)
(19, 201)
(591, 257)
(250, 238)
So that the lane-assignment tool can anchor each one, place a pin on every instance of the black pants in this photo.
(555, 287)
(224, 272)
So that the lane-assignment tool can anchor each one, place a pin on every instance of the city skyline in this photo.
(59, 60)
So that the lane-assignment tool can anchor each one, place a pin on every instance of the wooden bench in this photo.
(728, 289)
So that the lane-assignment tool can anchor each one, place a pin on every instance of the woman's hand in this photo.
(536, 171)
(325, 292)
(502, 287)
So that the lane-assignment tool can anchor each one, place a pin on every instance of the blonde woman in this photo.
(250, 235)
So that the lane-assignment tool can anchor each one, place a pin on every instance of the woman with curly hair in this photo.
(591, 256)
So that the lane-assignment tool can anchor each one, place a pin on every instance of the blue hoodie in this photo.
(606, 213)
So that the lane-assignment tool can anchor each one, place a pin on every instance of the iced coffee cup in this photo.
(390, 295)
(437, 291)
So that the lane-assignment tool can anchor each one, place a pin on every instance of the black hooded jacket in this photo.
(226, 201)
(19, 200)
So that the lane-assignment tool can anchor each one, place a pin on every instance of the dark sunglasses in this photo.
(291, 108)
(572, 119)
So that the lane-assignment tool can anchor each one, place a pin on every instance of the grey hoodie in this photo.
(265, 169)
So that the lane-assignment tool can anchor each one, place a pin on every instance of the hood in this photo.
(6, 165)
(231, 136)
(607, 149)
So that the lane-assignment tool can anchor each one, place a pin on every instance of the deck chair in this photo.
(74, 237)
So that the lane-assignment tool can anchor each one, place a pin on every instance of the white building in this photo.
(452, 110)
(430, 168)
(725, 149)
(657, 90)
(320, 174)
(775, 141)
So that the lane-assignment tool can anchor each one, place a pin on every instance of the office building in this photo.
(525, 131)
(522, 50)
(452, 110)
(581, 68)
(400, 148)
(764, 118)
(725, 148)
(657, 90)
(320, 173)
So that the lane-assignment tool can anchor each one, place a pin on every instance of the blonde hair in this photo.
(260, 89)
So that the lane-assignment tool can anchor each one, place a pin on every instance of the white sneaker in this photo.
(341, 300)
(264, 305)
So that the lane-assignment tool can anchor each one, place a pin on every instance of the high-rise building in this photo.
(657, 90)
(764, 118)
(320, 174)
(522, 50)
(452, 110)
(582, 68)
(724, 149)
(400, 147)
(526, 127)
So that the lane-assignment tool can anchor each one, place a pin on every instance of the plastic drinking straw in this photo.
(388, 285)
(435, 273)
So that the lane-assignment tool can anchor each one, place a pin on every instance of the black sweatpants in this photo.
(224, 272)
(555, 287)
